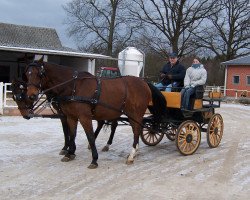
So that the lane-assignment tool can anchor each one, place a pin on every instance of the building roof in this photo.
(37, 40)
(238, 61)
(29, 37)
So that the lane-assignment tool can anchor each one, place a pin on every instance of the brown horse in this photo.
(19, 92)
(85, 97)
(25, 106)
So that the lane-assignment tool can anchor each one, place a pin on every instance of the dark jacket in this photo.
(177, 73)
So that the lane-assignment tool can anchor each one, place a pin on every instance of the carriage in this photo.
(83, 97)
(185, 126)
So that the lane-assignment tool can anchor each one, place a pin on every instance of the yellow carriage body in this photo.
(214, 95)
(173, 100)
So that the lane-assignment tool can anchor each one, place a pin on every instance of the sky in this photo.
(41, 13)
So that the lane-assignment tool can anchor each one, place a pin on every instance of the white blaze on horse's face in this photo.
(34, 82)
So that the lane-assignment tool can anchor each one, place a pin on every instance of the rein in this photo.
(56, 86)
(93, 101)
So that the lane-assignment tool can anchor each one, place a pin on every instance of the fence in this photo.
(236, 93)
(6, 100)
(1, 98)
(212, 88)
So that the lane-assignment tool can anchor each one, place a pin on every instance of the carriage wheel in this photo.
(151, 137)
(188, 137)
(171, 133)
(215, 130)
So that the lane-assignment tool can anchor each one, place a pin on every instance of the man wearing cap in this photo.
(172, 74)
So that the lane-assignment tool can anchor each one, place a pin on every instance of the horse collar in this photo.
(75, 75)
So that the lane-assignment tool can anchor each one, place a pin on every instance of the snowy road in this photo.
(30, 167)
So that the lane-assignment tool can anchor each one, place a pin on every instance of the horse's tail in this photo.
(159, 108)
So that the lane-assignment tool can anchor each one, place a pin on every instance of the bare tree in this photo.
(99, 25)
(227, 33)
(168, 24)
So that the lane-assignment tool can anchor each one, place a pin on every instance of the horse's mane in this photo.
(63, 67)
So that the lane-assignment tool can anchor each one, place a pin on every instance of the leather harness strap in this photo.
(95, 99)
(96, 96)
(125, 95)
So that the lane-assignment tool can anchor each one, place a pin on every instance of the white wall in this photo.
(1, 98)
(79, 63)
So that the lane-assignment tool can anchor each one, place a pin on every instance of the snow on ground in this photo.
(30, 167)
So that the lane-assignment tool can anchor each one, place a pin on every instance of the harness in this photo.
(93, 101)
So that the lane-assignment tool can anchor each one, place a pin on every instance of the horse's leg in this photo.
(65, 126)
(88, 128)
(72, 126)
(136, 127)
(100, 124)
(114, 124)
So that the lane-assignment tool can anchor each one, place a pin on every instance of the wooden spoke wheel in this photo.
(188, 137)
(151, 137)
(171, 133)
(215, 130)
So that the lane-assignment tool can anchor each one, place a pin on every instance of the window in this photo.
(236, 79)
(248, 80)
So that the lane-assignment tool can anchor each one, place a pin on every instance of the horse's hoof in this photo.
(129, 162)
(68, 158)
(65, 159)
(105, 148)
(93, 166)
(63, 152)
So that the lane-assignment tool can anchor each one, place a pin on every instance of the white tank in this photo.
(130, 61)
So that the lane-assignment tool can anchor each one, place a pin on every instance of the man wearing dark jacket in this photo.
(172, 75)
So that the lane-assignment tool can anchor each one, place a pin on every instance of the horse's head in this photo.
(34, 74)
(19, 91)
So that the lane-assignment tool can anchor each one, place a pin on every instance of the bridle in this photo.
(21, 96)
(41, 74)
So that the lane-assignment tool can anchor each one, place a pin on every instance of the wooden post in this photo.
(1, 98)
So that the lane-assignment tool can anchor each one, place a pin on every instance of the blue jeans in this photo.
(185, 97)
(167, 88)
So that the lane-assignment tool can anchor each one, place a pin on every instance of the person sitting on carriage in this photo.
(172, 75)
(196, 77)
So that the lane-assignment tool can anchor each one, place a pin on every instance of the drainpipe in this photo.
(225, 82)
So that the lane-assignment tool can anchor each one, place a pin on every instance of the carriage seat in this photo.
(196, 99)
(173, 99)
(199, 92)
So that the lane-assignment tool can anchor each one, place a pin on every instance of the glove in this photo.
(162, 75)
(169, 76)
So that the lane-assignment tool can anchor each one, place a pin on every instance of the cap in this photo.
(173, 55)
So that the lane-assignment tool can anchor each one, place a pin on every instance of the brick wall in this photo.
(241, 71)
